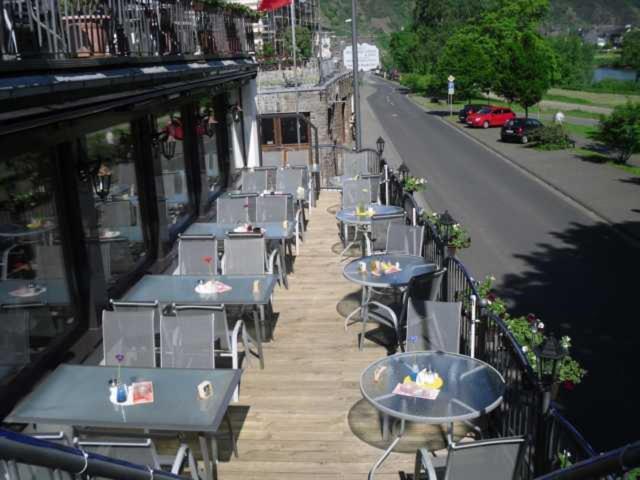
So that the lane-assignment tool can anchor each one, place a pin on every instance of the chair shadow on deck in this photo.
(365, 423)
(333, 209)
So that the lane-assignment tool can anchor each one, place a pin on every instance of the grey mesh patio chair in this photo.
(130, 334)
(279, 207)
(120, 306)
(236, 208)
(437, 327)
(294, 181)
(496, 459)
(377, 238)
(374, 186)
(354, 193)
(354, 164)
(405, 239)
(196, 333)
(254, 181)
(197, 255)
(272, 158)
(270, 173)
(246, 254)
(136, 450)
(273, 208)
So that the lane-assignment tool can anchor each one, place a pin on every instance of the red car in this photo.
(490, 117)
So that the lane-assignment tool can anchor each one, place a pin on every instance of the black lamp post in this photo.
(549, 354)
(446, 225)
(403, 170)
(380, 145)
(101, 181)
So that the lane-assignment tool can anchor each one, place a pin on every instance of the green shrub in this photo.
(418, 83)
(620, 131)
(552, 137)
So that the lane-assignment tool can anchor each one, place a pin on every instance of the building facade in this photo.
(119, 127)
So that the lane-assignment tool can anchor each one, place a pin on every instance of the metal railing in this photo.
(64, 29)
(17, 449)
(552, 439)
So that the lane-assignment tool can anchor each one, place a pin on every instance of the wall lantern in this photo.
(380, 144)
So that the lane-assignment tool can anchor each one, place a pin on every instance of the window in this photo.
(212, 179)
(114, 224)
(268, 131)
(290, 128)
(282, 130)
(35, 304)
(172, 189)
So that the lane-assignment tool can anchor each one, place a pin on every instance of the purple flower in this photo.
(119, 357)
(531, 318)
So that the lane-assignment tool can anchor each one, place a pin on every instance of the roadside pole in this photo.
(451, 90)
(356, 86)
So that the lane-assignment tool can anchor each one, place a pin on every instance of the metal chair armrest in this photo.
(423, 462)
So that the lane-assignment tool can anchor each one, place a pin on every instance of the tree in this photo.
(303, 43)
(631, 51)
(469, 58)
(524, 69)
(407, 53)
(620, 131)
(574, 60)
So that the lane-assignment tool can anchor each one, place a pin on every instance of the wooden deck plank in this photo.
(305, 406)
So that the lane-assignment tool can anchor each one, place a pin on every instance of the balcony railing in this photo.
(552, 439)
(66, 29)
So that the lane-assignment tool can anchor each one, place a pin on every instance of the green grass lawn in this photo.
(596, 157)
(606, 59)
(595, 99)
(566, 99)
(581, 130)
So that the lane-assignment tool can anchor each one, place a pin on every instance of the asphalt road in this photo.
(550, 257)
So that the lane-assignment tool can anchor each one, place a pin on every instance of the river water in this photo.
(613, 73)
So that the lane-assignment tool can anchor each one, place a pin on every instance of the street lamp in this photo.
(380, 145)
(549, 354)
(403, 170)
(446, 224)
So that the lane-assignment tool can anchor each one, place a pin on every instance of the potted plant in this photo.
(413, 184)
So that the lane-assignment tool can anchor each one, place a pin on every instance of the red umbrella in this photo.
(268, 5)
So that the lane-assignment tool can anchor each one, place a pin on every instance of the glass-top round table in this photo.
(359, 271)
(410, 265)
(470, 388)
(348, 215)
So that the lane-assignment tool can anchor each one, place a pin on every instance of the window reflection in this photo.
(169, 150)
(208, 155)
(34, 297)
(114, 223)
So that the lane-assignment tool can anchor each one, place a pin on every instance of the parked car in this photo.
(519, 129)
(490, 116)
(469, 109)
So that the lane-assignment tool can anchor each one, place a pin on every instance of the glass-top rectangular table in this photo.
(180, 289)
(78, 395)
(272, 230)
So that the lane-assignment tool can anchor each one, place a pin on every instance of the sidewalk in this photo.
(608, 192)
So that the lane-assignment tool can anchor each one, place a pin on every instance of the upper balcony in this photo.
(68, 32)
(282, 75)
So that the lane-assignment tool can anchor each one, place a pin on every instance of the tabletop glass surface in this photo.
(272, 230)
(79, 395)
(48, 290)
(470, 387)
(181, 289)
(409, 266)
(348, 215)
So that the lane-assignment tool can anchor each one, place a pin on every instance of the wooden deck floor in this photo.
(303, 415)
